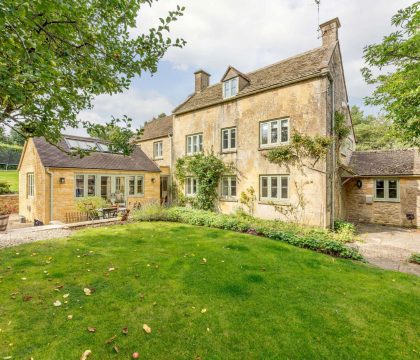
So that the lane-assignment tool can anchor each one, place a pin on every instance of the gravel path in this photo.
(14, 238)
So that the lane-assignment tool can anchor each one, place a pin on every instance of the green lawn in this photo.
(263, 299)
(12, 177)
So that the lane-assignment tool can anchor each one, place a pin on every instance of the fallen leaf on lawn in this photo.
(66, 296)
(27, 298)
(147, 329)
(87, 291)
(111, 269)
(116, 349)
(59, 287)
(111, 339)
(203, 261)
(57, 303)
(141, 296)
(24, 278)
(155, 303)
(69, 317)
(91, 329)
(86, 354)
(125, 331)
(208, 329)
(203, 311)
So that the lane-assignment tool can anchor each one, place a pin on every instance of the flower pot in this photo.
(4, 219)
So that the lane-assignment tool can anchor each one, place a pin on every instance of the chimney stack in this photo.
(202, 80)
(329, 31)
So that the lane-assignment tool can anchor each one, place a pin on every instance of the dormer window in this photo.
(230, 88)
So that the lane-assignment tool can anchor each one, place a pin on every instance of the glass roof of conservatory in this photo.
(90, 145)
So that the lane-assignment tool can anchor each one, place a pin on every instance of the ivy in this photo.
(208, 169)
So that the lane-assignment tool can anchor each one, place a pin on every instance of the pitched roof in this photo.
(157, 128)
(386, 162)
(284, 72)
(52, 157)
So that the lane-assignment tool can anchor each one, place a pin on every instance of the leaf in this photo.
(147, 329)
(203, 311)
(66, 296)
(111, 339)
(86, 354)
(27, 298)
(116, 349)
(111, 269)
(91, 329)
(69, 317)
(87, 291)
(125, 331)
(57, 303)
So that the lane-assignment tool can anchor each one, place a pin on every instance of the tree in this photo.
(55, 56)
(373, 133)
(398, 89)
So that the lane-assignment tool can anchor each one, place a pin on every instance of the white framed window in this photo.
(274, 187)
(228, 187)
(158, 150)
(106, 185)
(229, 139)
(80, 186)
(194, 144)
(191, 184)
(387, 190)
(230, 88)
(30, 182)
(274, 132)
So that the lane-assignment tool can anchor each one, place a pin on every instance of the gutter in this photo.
(51, 192)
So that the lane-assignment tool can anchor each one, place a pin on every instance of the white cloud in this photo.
(140, 106)
(249, 34)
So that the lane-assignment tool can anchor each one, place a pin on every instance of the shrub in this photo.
(5, 188)
(305, 237)
(8, 209)
(344, 231)
(414, 258)
(90, 204)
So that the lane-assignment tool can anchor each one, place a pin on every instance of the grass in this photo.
(263, 299)
(11, 177)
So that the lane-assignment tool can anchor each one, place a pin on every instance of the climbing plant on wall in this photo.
(207, 169)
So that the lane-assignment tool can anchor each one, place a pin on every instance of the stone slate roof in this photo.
(52, 157)
(386, 162)
(287, 71)
(157, 128)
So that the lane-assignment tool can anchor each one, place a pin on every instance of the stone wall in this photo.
(304, 104)
(10, 199)
(382, 212)
(147, 147)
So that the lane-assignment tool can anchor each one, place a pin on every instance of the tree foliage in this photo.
(208, 169)
(374, 132)
(398, 88)
(55, 56)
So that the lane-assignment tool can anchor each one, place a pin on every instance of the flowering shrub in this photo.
(8, 209)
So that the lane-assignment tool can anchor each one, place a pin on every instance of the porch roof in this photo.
(385, 162)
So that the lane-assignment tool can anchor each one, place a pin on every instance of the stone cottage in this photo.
(244, 115)
(50, 181)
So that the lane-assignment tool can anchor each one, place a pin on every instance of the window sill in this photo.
(158, 158)
(270, 147)
(228, 152)
(228, 200)
(387, 200)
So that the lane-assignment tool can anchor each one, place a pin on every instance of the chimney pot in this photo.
(202, 80)
(329, 31)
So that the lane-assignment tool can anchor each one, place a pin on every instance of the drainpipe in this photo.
(51, 193)
(334, 151)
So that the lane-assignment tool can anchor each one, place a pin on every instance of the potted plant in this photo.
(5, 211)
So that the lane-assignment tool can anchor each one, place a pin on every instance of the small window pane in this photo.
(264, 187)
(131, 185)
(233, 186)
(380, 189)
(233, 138)
(274, 187)
(225, 186)
(91, 185)
(225, 139)
(392, 189)
(284, 187)
(140, 185)
(392, 193)
(264, 133)
(274, 132)
(189, 145)
(234, 87)
(200, 142)
(284, 130)
(80, 185)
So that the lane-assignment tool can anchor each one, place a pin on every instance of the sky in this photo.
(246, 34)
